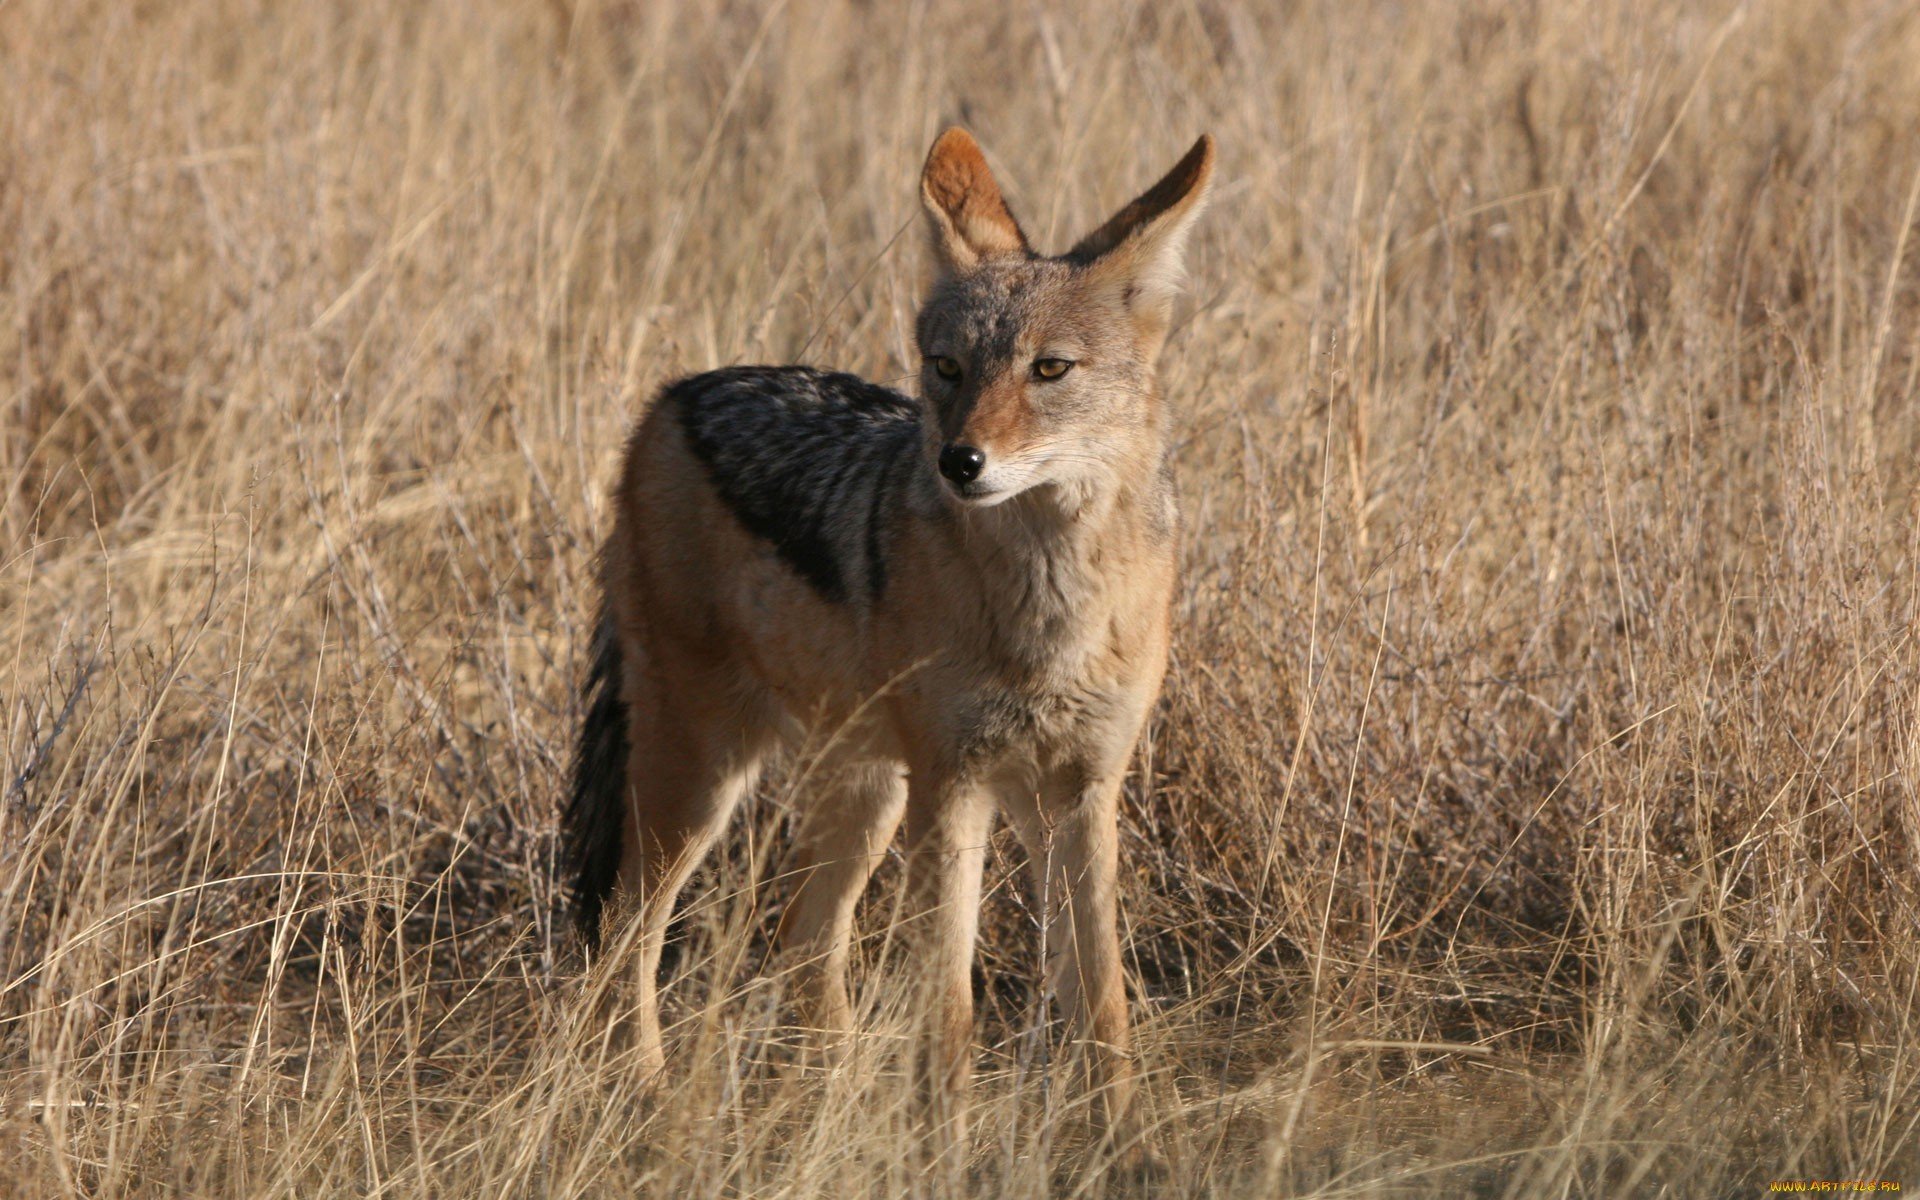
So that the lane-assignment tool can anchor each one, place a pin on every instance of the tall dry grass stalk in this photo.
(1532, 810)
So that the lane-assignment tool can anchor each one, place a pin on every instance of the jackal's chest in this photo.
(994, 722)
(1055, 699)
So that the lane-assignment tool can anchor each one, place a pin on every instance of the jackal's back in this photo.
(810, 462)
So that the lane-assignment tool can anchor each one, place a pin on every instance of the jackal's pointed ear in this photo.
(970, 219)
(1143, 246)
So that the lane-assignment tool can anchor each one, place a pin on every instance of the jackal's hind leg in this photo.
(685, 777)
(850, 823)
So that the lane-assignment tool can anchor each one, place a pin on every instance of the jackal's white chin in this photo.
(981, 495)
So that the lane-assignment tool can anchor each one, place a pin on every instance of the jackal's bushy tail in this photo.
(595, 811)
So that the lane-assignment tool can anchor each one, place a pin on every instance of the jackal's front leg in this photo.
(1072, 838)
(947, 828)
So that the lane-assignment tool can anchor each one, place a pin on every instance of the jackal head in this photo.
(1038, 369)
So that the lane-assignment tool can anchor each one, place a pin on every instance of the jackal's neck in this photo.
(1057, 545)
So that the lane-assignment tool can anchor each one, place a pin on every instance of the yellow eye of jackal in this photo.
(1051, 368)
(946, 368)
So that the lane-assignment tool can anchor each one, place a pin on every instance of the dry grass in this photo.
(1532, 810)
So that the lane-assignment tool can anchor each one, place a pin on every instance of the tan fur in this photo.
(1008, 666)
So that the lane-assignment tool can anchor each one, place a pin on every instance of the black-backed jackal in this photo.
(967, 591)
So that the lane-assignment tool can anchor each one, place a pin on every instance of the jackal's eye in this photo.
(1051, 368)
(946, 368)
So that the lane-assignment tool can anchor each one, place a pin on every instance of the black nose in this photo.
(962, 464)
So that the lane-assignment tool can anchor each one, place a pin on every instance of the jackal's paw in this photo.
(1138, 1171)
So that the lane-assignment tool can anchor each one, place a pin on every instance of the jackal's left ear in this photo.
(970, 219)
(1143, 246)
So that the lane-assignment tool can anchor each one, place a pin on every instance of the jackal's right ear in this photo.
(1143, 246)
(970, 219)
